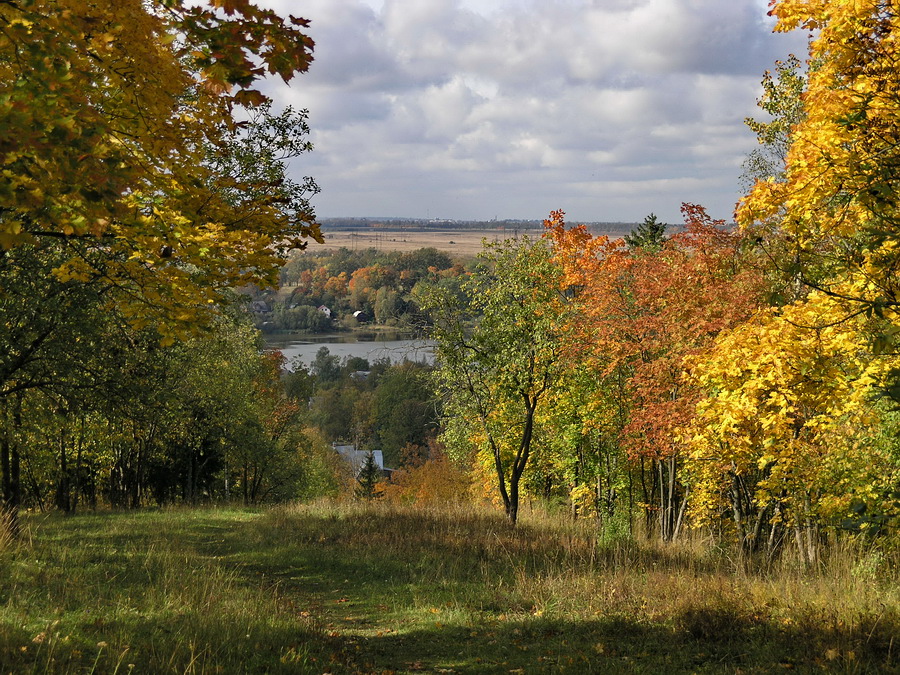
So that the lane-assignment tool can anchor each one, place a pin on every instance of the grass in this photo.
(375, 589)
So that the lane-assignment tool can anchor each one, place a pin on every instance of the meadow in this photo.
(456, 242)
(375, 588)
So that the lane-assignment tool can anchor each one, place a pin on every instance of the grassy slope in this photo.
(347, 590)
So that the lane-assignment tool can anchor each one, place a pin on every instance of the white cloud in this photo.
(480, 108)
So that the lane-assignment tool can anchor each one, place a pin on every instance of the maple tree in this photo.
(836, 204)
(784, 437)
(640, 313)
(112, 112)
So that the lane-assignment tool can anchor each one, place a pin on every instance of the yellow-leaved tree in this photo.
(837, 204)
(789, 437)
(797, 427)
(118, 143)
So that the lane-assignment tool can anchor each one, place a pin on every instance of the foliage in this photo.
(786, 433)
(836, 202)
(639, 314)
(368, 479)
(111, 114)
(649, 234)
(498, 358)
(782, 101)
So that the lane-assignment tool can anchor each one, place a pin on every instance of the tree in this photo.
(787, 435)
(368, 478)
(649, 235)
(782, 100)
(638, 316)
(404, 410)
(124, 171)
(498, 358)
(112, 112)
(837, 202)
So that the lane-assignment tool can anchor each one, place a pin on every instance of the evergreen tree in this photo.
(368, 478)
(649, 235)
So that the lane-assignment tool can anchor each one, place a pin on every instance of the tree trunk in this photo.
(63, 490)
(11, 466)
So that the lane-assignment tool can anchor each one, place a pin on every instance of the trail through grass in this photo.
(376, 589)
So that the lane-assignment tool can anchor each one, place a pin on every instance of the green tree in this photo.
(649, 235)
(782, 101)
(498, 358)
(368, 478)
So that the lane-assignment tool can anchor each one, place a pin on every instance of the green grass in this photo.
(328, 589)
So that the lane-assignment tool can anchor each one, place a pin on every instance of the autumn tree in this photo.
(126, 176)
(639, 314)
(498, 357)
(787, 439)
(112, 112)
(836, 204)
(790, 436)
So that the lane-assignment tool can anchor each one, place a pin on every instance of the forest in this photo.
(709, 405)
(740, 379)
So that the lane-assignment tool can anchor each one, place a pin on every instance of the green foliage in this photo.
(404, 410)
(368, 479)
(498, 358)
(649, 235)
(782, 101)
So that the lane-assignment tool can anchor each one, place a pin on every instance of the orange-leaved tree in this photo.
(641, 313)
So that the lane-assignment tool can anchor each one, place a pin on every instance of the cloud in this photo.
(457, 108)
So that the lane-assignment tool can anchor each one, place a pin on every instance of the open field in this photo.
(455, 242)
(377, 589)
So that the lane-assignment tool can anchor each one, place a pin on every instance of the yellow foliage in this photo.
(788, 409)
(106, 138)
(435, 482)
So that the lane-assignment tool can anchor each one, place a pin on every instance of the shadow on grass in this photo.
(412, 593)
(374, 591)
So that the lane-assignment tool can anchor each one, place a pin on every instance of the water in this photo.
(305, 347)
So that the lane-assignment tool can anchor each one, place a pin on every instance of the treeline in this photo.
(322, 290)
(508, 225)
(671, 382)
(373, 406)
(212, 418)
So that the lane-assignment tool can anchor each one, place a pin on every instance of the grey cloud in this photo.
(511, 108)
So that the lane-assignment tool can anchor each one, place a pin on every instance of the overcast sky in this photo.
(476, 109)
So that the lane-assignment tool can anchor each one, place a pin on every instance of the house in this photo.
(357, 458)
(260, 307)
(325, 310)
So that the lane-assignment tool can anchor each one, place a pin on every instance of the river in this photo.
(304, 346)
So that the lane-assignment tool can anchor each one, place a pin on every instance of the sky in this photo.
(509, 109)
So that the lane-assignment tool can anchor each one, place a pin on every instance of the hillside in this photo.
(381, 589)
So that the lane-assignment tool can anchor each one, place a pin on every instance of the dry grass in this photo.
(374, 588)
(454, 242)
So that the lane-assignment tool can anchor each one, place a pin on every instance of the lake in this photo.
(374, 348)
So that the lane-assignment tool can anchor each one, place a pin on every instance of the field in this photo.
(456, 242)
(377, 589)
